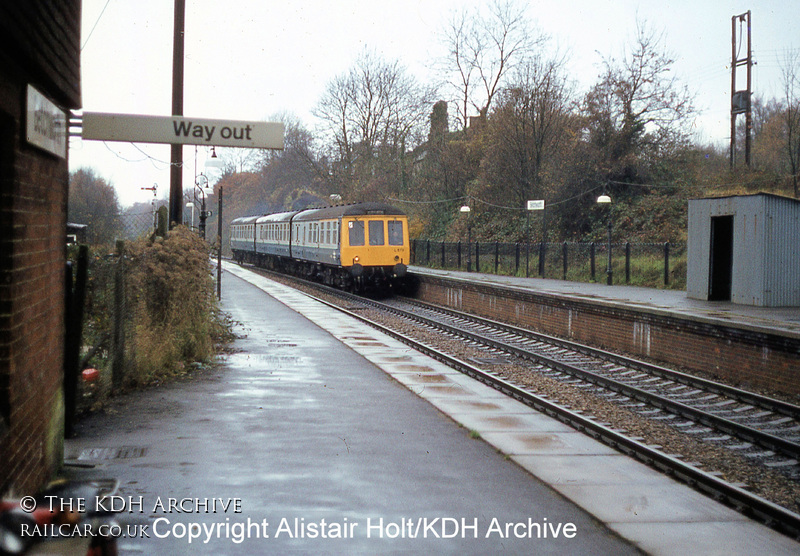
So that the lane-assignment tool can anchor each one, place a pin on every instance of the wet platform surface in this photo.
(298, 442)
(651, 511)
(333, 438)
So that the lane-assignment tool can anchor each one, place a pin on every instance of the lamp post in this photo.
(201, 183)
(606, 200)
(466, 210)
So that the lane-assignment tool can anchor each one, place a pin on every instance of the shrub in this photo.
(171, 298)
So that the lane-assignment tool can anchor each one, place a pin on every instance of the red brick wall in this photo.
(39, 45)
(742, 356)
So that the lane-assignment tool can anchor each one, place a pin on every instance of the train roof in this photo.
(244, 220)
(358, 209)
(277, 217)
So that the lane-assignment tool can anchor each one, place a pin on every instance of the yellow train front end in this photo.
(375, 246)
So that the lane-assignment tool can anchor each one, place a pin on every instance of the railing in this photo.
(643, 264)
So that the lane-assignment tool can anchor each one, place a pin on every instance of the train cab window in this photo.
(395, 232)
(376, 236)
(356, 235)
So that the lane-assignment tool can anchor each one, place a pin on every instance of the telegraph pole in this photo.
(741, 99)
(176, 151)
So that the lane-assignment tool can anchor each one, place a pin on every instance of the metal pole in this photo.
(748, 115)
(469, 244)
(527, 243)
(176, 151)
(203, 215)
(219, 249)
(609, 272)
(733, 92)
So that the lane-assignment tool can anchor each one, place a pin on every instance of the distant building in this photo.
(745, 249)
(39, 84)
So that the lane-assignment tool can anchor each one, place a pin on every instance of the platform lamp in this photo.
(191, 205)
(604, 199)
(466, 210)
(203, 183)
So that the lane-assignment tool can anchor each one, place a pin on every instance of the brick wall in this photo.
(39, 45)
(746, 357)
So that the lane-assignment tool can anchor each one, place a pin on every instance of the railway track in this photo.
(758, 426)
(764, 431)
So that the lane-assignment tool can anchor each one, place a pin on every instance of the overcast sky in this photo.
(251, 59)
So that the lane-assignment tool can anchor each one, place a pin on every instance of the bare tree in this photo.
(371, 116)
(93, 201)
(481, 50)
(638, 105)
(238, 159)
(529, 127)
(791, 86)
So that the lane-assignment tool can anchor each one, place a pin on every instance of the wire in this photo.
(427, 202)
(153, 160)
(95, 25)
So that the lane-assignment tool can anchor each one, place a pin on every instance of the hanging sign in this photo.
(179, 130)
(536, 205)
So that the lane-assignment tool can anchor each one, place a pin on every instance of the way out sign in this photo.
(179, 130)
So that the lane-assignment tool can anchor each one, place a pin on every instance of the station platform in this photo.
(331, 438)
(782, 320)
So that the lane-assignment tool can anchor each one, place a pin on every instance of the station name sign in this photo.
(179, 130)
(46, 124)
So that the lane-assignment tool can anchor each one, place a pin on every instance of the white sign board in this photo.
(178, 130)
(46, 124)
(536, 205)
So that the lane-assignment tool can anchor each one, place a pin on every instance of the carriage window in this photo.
(376, 232)
(356, 232)
(395, 232)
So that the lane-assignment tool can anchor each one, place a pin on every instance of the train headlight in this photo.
(356, 259)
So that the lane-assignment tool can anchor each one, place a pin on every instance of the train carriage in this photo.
(243, 232)
(273, 236)
(362, 246)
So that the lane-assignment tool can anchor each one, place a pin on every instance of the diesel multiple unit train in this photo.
(361, 247)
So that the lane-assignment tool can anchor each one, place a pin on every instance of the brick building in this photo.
(39, 84)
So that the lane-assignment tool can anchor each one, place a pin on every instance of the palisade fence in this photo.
(641, 264)
(101, 322)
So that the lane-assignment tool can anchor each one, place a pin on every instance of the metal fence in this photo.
(644, 264)
(106, 230)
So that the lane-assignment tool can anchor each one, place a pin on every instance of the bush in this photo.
(175, 315)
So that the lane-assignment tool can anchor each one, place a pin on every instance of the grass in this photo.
(646, 268)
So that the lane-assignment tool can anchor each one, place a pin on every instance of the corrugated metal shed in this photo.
(745, 249)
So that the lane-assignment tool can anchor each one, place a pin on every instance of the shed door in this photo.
(721, 264)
